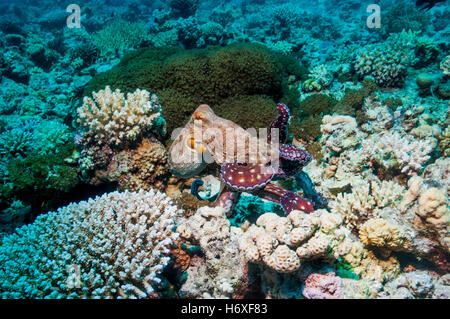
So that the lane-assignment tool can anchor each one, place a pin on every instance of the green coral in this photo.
(240, 109)
(307, 129)
(44, 172)
(317, 104)
(404, 16)
(119, 37)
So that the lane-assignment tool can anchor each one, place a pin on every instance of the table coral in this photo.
(114, 246)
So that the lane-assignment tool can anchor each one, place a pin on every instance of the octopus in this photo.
(253, 173)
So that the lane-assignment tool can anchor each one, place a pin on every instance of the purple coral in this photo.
(318, 286)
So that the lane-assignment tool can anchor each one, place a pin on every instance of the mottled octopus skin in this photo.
(250, 178)
(227, 200)
(292, 201)
(281, 122)
(309, 191)
(246, 177)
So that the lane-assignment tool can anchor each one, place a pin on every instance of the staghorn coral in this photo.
(110, 118)
(114, 246)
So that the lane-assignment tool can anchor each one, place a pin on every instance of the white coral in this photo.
(110, 118)
(394, 149)
(339, 133)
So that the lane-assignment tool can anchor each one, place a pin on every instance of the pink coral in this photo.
(319, 286)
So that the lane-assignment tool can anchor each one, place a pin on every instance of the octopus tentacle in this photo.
(291, 201)
(292, 160)
(195, 186)
(227, 200)
(246, 177)
(309, 190)
(281, 122)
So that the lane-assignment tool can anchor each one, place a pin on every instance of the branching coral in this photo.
(387, 62)
(399, 151)
(114, 246)
(110, 118)
(366, 200)
(320, 77)
(119, 37)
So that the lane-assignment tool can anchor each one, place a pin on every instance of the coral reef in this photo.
(85, 111)
(72, 243)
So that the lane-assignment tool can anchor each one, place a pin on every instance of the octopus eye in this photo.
(191, 142)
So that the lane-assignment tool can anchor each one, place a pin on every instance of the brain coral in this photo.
(113, 246)
(206, 76)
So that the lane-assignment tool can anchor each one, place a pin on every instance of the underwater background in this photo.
(93, 98)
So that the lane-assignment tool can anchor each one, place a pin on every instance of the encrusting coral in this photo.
(377, 232)
(339, 133)
(210, 229)
(114, 246)
(328, 286)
